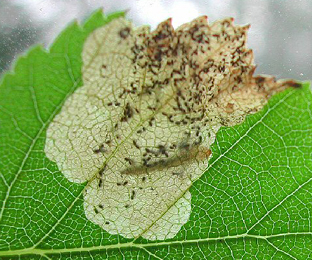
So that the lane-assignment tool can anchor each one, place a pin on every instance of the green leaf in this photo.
(253, 202)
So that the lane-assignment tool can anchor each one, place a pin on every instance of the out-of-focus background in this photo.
(280, 33)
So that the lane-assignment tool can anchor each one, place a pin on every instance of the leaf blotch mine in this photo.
(139, 130)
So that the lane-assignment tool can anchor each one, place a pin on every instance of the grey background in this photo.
(280, 33)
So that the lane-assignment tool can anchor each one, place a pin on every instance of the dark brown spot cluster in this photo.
(132, 195)
(197, 63)
(101, 149)
(122, 183)
(135, 143)
(124, 33)
(178, 52)
(152, 153)
(127, 113)
(129, 160)
(101, 171)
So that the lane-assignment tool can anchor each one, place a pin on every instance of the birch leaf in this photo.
(121, 142)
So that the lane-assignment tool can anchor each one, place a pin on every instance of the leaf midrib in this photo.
(35, 251)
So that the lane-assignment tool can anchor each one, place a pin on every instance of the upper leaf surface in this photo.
(255, 191)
